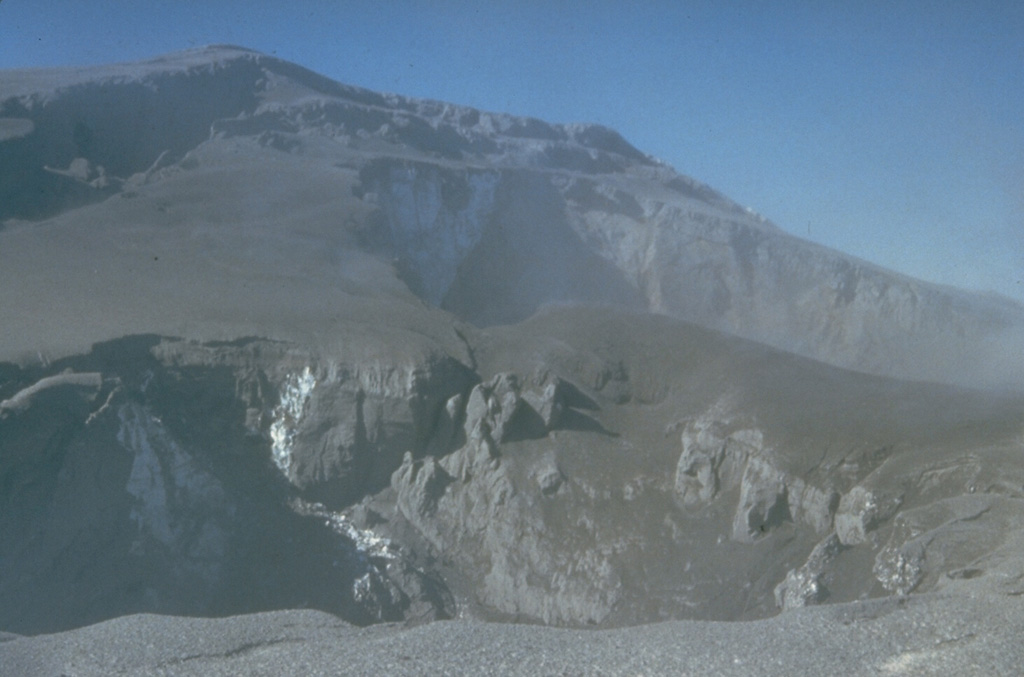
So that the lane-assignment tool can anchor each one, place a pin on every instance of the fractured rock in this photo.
(811, 505)
(860, 510)
(807, 585)
(697, 480)
(346, 431)
(448, 433)
(899, 570)
(763, 503)
(420, 485)
(712, 459)
(495, 409)
(550, 479)
(550, 404)
(177, 503)
(957, 536)
(497, 539)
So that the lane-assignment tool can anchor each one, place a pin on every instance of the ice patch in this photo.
(287, 414)
(367, 542)
(365, 553)
(372, 586)
(362, 588)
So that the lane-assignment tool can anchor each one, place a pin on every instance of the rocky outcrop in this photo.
(551, 402)
(339, 433)
(189, 471)
(717, 457)
(712, 459)
(860, 511)
(496, 410)
(809, 584)
(764, 501)
(204, 430)
(472, 504)
(947, 541)
(470, 508)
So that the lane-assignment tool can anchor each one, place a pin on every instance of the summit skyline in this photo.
(890, 132)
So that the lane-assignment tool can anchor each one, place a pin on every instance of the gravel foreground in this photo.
(921, 635)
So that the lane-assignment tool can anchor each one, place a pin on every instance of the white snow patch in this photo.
(362, 588)
(367, 542)
(294, 396)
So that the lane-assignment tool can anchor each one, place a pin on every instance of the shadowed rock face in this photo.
(309, 345)
(153, 488)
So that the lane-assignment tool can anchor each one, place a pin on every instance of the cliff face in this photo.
(271, 341)
(161, 482)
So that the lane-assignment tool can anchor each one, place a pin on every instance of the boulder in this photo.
(496, 409)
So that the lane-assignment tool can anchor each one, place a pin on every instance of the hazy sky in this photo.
(890, 130)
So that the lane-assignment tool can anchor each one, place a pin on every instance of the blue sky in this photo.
(893, 131)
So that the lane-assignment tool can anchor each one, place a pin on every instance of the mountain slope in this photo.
(489, 216)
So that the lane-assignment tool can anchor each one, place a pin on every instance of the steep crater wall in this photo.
(141, 477)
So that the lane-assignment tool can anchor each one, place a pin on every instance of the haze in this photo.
(890, 132)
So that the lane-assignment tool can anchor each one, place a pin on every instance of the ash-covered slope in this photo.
(264, 164)
(926, 636)
(270, 342)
